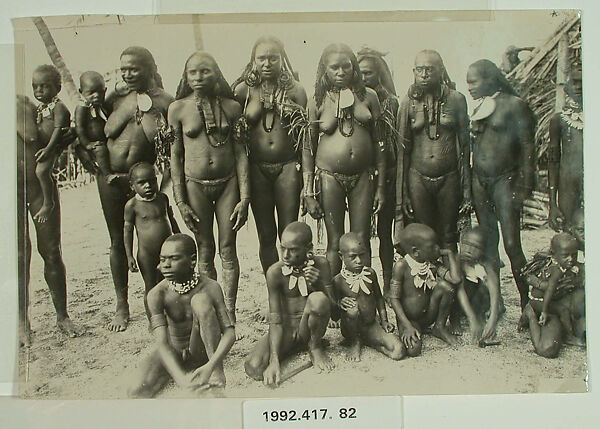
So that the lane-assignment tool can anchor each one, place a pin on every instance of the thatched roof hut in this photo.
(540, 79)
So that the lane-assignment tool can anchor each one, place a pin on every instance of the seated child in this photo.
(189, 322)
(422, 287)
(358, 296)
(90, 118)
(556, 286)
(151, 215)
(52, 119)
(479, 293)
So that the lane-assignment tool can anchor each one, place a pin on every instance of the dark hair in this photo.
(285, 61)
(187, 241)
(489, 70)
(147, 60)
(93, 75)
(301, 229)
(413, 235)
(52, 72)
(221, 88)
(322, 84)
(138, 165)
(445, 76)
(383, 71)
(562, 237)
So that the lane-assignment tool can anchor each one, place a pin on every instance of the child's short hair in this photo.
(50, 71)
(413, 235)
(90, 75)
(184, 239)
(563, 238)
(139, 165)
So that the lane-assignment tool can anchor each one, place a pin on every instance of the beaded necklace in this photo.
(208, 116)
(185, 287)
(44, 110)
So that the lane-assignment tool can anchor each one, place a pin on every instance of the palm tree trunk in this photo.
(57, 59)
(197, 33)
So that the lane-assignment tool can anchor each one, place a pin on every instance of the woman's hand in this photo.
(379, 200)
(313, 207)
(189, 217)
(42, 155)
(556, 218)
(240, 214)
(407, 207)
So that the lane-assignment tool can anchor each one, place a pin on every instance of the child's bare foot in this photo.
(320, 360)
(443, 334)
(574, 341)
(334, 324)
(121, 319)
(353, 353)
(111, 177)
(44, 213)
(67, 327)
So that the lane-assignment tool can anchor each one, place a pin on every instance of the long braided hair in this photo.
(383, 71)
(322, 84)
(221, 88)
(147, 60)
(489, 70)
(251, 76)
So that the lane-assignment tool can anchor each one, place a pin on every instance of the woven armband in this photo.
(395, 289)
(275, 318)
(157, 321)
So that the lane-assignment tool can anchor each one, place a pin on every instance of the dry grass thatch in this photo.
(535, 79)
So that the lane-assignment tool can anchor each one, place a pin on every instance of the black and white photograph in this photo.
(287, 205)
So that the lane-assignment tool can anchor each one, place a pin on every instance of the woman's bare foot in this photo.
(217, 378)
(239, 334)
(443, 334)
(320, 360)
(67, 327)
(24, 335)
(121, 319)
(44, 213)
(353, 353)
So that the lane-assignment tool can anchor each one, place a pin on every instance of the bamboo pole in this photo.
(562, 71)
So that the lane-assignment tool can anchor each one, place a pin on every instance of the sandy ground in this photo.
(100, 364)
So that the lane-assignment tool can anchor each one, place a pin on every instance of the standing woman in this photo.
(434, 129)
(503, 167)
(343, 149)
(376, 75)
(209, 168)
(135, 128)
(272, 101)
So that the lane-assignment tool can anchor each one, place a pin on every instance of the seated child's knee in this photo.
(549, 351)
(352, 313)
(398, 352)
(318, 302)
(253, 366)
(445, 287)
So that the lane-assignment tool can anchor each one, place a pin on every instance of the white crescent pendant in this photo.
(484, 109)
(346, 98)
(144, 102)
